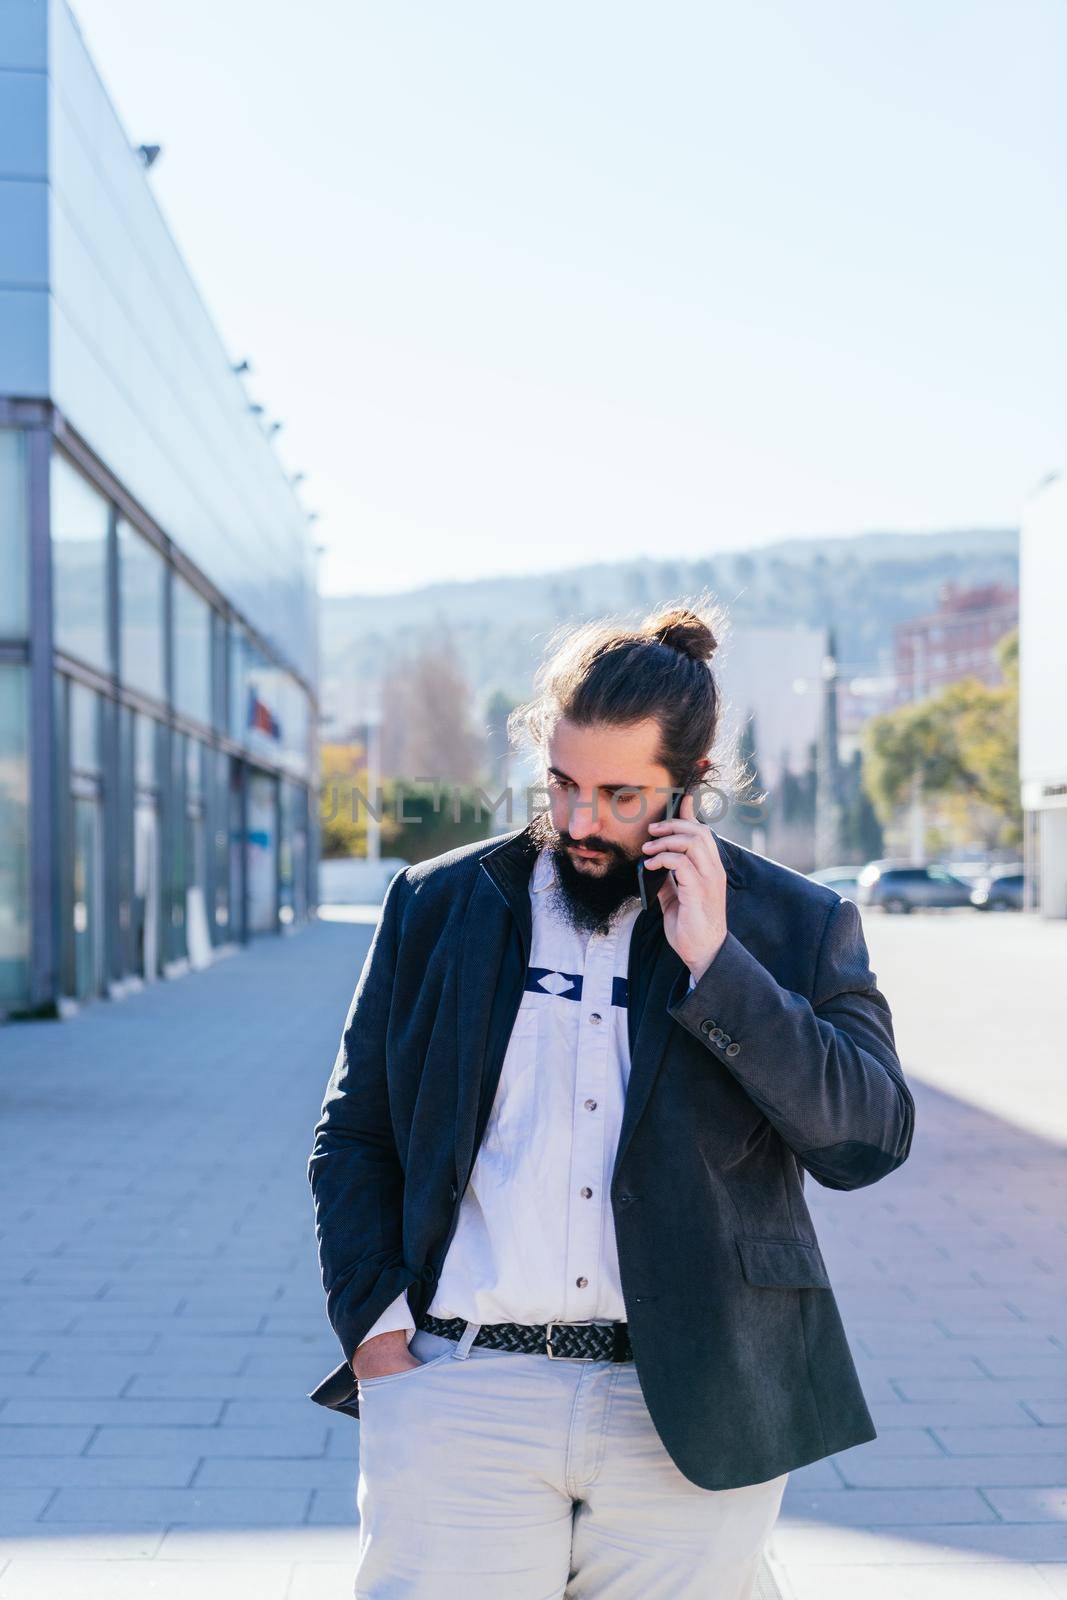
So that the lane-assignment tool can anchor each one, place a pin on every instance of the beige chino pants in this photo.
(490, 1475)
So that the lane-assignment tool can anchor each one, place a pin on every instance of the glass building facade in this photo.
(180, 761)
(158, 645)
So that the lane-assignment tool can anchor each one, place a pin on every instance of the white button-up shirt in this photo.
(535, 1236)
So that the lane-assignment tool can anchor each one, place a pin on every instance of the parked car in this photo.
(902, 886)
(841, 879)
(969, 872)
(1002, 891)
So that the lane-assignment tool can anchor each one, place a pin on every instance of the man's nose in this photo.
(582, 820)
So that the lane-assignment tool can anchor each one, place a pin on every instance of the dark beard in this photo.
(588, 903)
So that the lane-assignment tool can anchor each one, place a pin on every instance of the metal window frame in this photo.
(50, 670)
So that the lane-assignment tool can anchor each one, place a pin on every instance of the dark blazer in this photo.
(781, 1061)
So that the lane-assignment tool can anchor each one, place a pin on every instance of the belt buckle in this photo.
(548, 1340)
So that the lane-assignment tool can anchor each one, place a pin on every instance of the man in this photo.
(558, 1176)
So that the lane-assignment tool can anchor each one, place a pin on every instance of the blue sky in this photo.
(536, 285)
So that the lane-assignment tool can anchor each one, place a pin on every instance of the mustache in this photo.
(597, 845)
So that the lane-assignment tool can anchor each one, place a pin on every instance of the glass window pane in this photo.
(79, 564)
(218, 671)
(237, 679)
(144, 760)
(142, 576)
(84, 728)
(269, 709)
(13, 535)
(295, 722)
(14, 839)
(192, 652)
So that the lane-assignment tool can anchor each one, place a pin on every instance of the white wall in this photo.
(123, 344)
(776, 675)
(1043, 642)
(356, 882)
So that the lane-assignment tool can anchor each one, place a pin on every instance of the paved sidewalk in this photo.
(950, 1275)
(161, 1316)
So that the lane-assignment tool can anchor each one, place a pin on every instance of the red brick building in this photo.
(956, 641)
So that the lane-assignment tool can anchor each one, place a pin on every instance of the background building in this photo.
(158, 639)
(1042, 693)
(956, 641)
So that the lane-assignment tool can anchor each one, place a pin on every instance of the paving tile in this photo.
(220, 1441)
(96, 1472)
(132, 1413)
(1050, 1413)
(812, 1544)
(1002, 1441)
(970, 1581)
(1048, 1504)
(284, 1472)
(324, 1581)
(223, 1545)
(44, 1442)
(147, 1580)
(69, 1542)
(881, 1507)
(874, 1471)
(990, 1412)
(153, 1507)
(1020, 1391)
(21, 1504)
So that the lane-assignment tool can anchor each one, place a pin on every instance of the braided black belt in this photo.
(571, 1341)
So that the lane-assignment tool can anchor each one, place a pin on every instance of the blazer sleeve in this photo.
(823, 1071)
(356, 1179)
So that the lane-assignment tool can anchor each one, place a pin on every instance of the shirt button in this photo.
(590, 1105)
(581, 1282)
(586, 1193)
(594, 1016)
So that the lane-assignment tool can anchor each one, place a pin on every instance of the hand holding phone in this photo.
(671, 812)
(694, 909)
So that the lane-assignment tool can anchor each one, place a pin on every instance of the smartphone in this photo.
(642, 889)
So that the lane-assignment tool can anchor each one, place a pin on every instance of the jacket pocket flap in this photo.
(783, 1264)
(337, 1390)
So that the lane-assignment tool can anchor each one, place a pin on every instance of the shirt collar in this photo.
(544, 871)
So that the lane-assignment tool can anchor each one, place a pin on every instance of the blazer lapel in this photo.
(669, 975)
(481, 949)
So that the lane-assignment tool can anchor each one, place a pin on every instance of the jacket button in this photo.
(707, 1025)
(733, 1049)
(428, 1274)
(624, 1199)
(452, 1191)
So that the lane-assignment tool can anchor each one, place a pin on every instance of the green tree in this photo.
(342, 819)
(961, 744)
